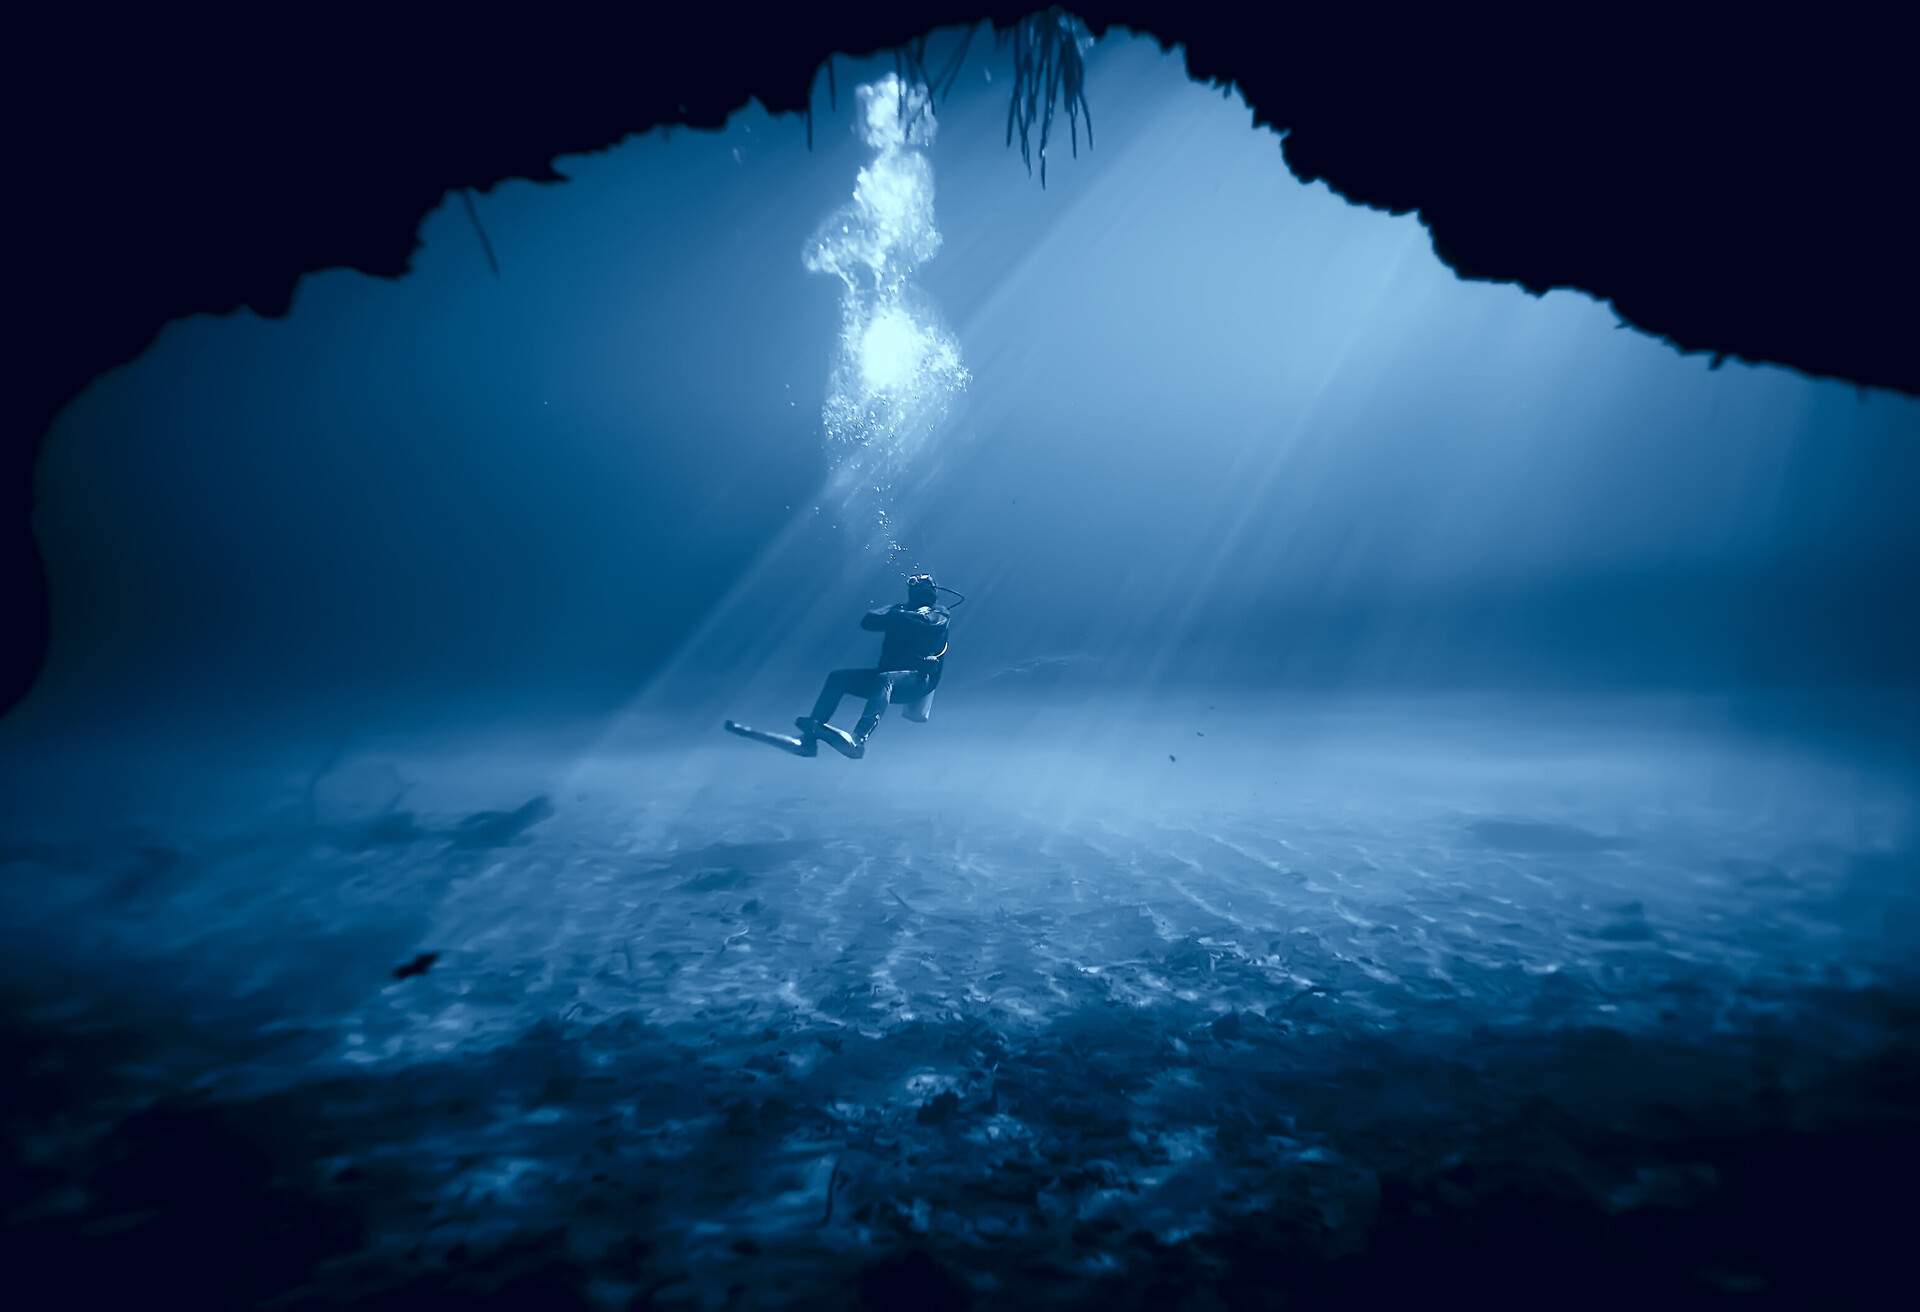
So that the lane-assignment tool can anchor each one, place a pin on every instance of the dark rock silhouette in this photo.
(498, 828)
(420, 965)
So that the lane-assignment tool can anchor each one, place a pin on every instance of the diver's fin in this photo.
(839, 739)
(786, 743)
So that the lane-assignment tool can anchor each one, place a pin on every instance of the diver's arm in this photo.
(876, 620)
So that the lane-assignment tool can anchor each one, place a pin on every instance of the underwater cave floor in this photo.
(1208, 1018)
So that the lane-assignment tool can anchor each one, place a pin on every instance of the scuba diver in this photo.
(913, 650)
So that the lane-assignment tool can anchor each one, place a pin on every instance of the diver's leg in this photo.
(878, 690)
(870, 718)
(839, 683)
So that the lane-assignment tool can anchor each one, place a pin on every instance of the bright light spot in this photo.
(891, 350)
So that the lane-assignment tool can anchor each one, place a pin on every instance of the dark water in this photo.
(1229, 1006)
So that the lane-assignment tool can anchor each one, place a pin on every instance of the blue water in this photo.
(1422, 798)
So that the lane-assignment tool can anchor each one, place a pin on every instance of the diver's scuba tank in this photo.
(921, 710)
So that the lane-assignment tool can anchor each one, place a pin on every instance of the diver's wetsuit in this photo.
(911, 658)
